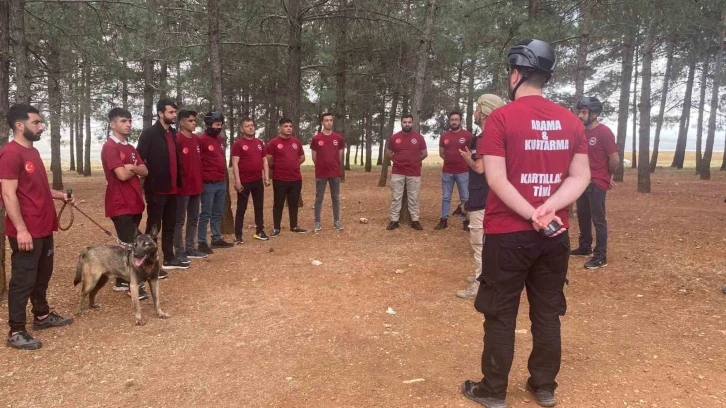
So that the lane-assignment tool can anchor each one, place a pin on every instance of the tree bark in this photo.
(470, 94)
(701, 105)
(663, 99)
(347, 157)
(717, 73)
(79, 121)
(72, 119)
(626, 75)
(685, 122)
(388, 132)
(634, 163)
(459, 79)
(295, 67)
(124, 84)
(179, 92)
(4, 106)
(148, 115)
(87, 115)
(581, 69)
(644, 169)
(381, 137)
(55, 104)
(340, 65)
(163, 79)
(16, 14)
(369, 143)
(422, 58)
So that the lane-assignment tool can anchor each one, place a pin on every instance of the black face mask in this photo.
(213, 132)
(30, 136)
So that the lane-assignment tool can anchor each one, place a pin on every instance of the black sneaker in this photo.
(545, 398)
(239, 240)
(221, 243)
(22, 340)
(416, 225)
(470, 389)
(596, 263)
(196, 254)
(392, 225)
(172, 264)
(120, 286)
(443, 223)
(581, 252)
(52, 320)
(298, 230)
(205, 249)
(261, 236)
(275, 233)
(164, 275)
(142, 293)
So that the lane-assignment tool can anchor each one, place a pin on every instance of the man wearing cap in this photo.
(604, 156)
(455, 169)
(478, 191)
(535, 161)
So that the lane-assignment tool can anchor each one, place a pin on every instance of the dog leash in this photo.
(70, 223)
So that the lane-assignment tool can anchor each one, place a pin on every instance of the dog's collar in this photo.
(124, 244)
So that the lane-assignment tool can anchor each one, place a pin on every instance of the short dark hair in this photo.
(285, 120)
(163, 103)
(324, 115)
(406, 115)
(118, 113)
(455, 112)
(185, 113)
(535, 78)
(19, 113)
(247, 119)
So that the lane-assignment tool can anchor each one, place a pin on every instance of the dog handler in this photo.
(29, 226)
(535, 161)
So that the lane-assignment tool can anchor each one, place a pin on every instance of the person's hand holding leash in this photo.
(25, 241)
(238, 186)
(267, 182)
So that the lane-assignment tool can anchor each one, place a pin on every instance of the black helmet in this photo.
(212, 117)
(535, 54)
(590, 103)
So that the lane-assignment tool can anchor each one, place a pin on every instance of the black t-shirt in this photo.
(478, 186)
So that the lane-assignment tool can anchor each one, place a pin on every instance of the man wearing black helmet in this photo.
(535, 161)
(604, 156)
(214, 171)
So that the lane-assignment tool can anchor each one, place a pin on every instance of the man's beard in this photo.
(167, 121)
(587, 122)
(30, 136)
(407, 129)
(214, 131)
(455, 127)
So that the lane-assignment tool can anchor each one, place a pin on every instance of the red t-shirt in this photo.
(171, 146)
(285, 158)
(327, 154)
(452, 142)
(250, 153)
(191, 165)
(214, 166)
(538, 139)
(406, 149)
(36, 201)
(600, 144)
(122, 197)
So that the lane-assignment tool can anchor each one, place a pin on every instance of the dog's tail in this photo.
(79, 267)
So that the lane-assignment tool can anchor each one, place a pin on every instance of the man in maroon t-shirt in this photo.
(604, 155)
(249, 166)
(535, 160)
(189, 195)
(285, 155)
(455, 170)
(407, 150)
(122, 167)
(214, 175)
(29, 224)
(327, 147)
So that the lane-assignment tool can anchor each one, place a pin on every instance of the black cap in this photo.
(212, 117)
(590, 103)
(535, 54)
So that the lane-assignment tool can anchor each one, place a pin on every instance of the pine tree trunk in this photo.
(179, 92)
(381, 137)
(663, 99)
(148, 115)
(383, 179)
(295, 67)
(422, 58)
(581, 69)
(124, 84)
(87, 115)
(685, 122)
(163, 79)
(55, 104)
(4, 106)
(347, 156)
(644, 169)
(80, 92)
(626, 76)
(634, 160)
(459, 79)
(470, 95)
(718, 72)
(72, 120)
(701, 105)
(340, 65)
(16, 14)
(369, 144)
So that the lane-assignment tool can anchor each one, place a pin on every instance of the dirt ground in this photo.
(259, 325)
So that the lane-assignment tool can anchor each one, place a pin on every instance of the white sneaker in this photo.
(470, 292)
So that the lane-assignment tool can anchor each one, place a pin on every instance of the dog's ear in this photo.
(138, 232)
(154, 231)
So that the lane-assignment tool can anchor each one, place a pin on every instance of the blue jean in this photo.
(447, 188)
(212, 207)
(320, 184)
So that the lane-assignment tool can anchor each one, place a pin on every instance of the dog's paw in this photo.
(163, 315)
(95, 306)
(140, 322)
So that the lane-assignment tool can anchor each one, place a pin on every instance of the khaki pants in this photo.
(413, 188)
(476, 238)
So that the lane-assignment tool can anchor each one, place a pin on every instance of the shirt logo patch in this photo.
(294, 146)
(462, 140)
(245, 147)
(398, 141)
(259, 147)
(593, 141)
(211, 148)
(199, 150)
(335, 142)
(133, 158)
(123, 156)
(29, 167)
(279, 145)
(446, 141)
(185, 150)
(321, 143)
(414, 141)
